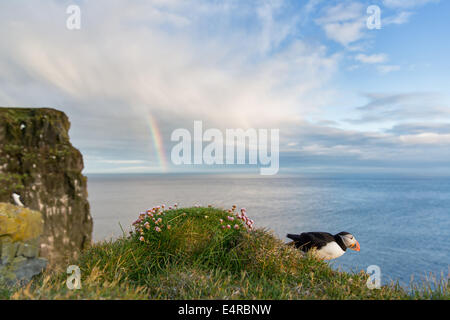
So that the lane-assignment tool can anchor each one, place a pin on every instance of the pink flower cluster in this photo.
(242, 215)
(151, 219)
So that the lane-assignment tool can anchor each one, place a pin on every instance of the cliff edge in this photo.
(38, 162)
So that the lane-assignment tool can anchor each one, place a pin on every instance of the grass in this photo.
(195, 256)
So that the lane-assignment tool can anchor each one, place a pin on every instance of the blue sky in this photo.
(345, 98)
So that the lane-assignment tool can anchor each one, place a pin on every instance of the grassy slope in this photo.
(198, 259)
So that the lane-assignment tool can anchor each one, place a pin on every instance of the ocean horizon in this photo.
(401, 221)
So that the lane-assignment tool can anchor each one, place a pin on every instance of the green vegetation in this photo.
(191, 253)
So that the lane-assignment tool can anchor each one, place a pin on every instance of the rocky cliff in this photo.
(38, 162)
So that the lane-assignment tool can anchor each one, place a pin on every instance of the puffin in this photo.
(327, 246)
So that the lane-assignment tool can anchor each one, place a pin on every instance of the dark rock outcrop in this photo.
(38, 162)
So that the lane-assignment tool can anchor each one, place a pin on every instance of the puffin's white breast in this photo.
(330, 251)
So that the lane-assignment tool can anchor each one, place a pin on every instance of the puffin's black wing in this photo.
(308, 240)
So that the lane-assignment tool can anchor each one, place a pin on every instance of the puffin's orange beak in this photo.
(356, 246)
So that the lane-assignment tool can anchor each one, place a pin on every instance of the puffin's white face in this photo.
(350, 241)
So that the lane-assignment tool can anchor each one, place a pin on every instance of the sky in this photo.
(345, 97)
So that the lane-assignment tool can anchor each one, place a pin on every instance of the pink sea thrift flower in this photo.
(230, 218)
(221, 220)
(228, 226)
(157, 229)
(141, 238)
(236, 226)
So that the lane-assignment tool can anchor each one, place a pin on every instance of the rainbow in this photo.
(158, 143)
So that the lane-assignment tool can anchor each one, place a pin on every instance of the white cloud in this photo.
(400, 18)
(343, 11)
(344, 22)
(344, 32)
(426, 138)
(274, 31)
(372, 59)
(385, 69)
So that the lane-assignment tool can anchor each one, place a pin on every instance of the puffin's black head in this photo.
(349, 240)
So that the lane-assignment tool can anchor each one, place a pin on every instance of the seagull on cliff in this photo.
(16, 199)
(327, 246)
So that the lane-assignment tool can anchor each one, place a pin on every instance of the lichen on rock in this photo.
(20, 224)
(20, 229)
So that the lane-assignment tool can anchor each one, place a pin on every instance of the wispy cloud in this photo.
(402, 107)
(399, 18)
(372, 59)
(387, 68)
(344, 22)
(407, 3)
(420, 128)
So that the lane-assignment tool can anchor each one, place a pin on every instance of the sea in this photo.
(401, 222)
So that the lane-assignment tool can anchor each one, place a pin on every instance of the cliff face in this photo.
(38, 162)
